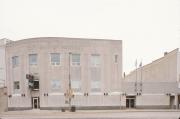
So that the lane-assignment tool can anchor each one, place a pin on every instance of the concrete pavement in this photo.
(92, 114)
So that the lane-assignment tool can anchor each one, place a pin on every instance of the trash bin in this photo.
(73, 109)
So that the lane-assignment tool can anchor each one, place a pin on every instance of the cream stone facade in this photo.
(2, 62)
(155, 85)
(90, 68)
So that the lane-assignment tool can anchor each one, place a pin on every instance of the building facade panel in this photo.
(3, 43)
(178, 69)
(146, 101)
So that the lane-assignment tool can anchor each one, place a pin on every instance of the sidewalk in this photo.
(92, 114)
(39, 112)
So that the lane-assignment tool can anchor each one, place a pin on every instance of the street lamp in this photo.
(136, 76)
(69, 88)
(69, 93)
(141, 76)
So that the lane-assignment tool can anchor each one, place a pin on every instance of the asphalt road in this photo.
(116, 114)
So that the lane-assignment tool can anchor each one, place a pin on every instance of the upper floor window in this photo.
(15, 61)
(75, 59)
(95, 60)
(33, 59)
(115, 58)
(36, 85)
(55, 59)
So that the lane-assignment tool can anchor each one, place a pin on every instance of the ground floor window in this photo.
(76, 85)
(95, 86)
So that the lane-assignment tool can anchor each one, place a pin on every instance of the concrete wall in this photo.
(155, 82)
(160, 76)
(153, 101)
(3, 43)
(151, 87)
(2, 63)
(178, 69)
(3, 99)
(109, 70)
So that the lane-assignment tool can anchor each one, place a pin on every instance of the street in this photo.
(94, 114)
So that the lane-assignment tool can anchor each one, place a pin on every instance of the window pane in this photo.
(15, 61)
(55, 84)
(55, 58)
(75, 59)
(95, 60)
(76, 85)
(16, 85)
(36, 85)
(33, 59)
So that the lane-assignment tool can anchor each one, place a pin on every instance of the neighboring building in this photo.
(41, 72)
(156, 85)
(3, 43)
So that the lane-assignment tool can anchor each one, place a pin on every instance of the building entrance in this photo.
(130, 102)
(35, 103)
(178, 101)
(172, 102)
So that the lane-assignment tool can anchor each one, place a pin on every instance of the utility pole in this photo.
(136, 77)
(141, 76)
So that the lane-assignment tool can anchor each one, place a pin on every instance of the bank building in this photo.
(55, 73)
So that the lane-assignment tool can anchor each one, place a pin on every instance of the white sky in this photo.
(148, 28)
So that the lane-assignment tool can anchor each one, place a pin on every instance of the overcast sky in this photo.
(148, 28)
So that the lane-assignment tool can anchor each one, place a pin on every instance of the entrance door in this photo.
(130, 101)
(172, 102)
(35, 102)
(178, 101)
